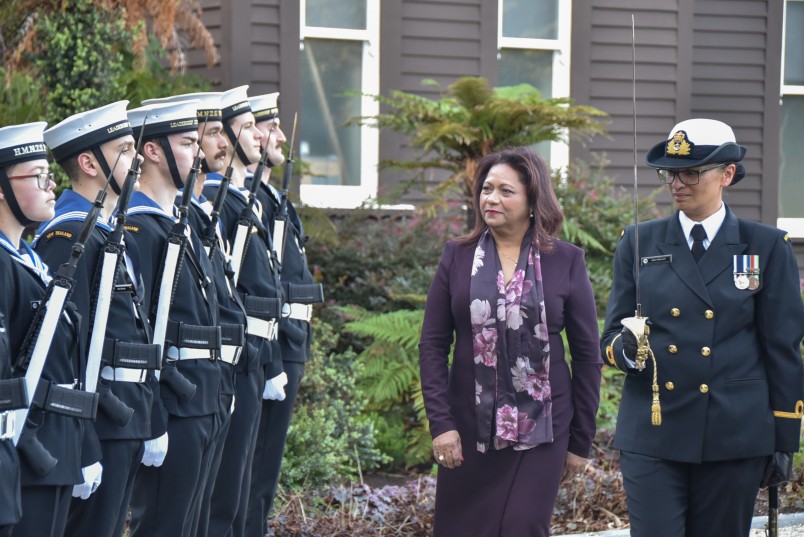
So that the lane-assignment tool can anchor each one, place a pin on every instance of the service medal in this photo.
(741, 282)
(753, 283)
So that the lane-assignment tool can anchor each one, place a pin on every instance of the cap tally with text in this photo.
(208, 107)
(264, 107)
(88, 129)
(235, 102)
(696, 142)
(164, 119)
(19, 143)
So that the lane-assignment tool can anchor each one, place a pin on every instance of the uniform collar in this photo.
(711, 224)
(71, 207)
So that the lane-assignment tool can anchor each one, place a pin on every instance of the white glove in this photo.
(92, 480)
(275, 387)
(155, 451)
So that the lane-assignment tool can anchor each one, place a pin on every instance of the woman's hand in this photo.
(447, 449)
(574, 466)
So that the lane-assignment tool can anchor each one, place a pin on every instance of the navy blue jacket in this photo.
(730, 371)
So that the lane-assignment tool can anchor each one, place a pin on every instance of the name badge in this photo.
(652, 260)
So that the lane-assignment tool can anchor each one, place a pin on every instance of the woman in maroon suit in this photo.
(510, 419)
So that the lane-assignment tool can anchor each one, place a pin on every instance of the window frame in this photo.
(352, 196)
(561, 47)
(793, 225)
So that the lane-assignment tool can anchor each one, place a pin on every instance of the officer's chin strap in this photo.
(178, 182)
(641, 331)
(107, 172)
(11, 199)
(238, 148)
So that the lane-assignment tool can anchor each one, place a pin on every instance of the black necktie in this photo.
(698, 235)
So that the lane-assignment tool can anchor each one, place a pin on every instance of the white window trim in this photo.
(559, 151)
(344, 196)
(794, 226)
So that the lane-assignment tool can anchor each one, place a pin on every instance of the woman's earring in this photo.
(531, 214)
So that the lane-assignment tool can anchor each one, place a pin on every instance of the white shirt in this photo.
(711, 225)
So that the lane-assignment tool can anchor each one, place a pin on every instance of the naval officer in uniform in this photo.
(713, 393)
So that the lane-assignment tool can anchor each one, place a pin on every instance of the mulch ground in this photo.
(394, 505)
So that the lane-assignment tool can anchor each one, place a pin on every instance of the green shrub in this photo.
(595, 214)
(329, 419)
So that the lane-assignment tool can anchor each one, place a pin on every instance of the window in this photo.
(534, 48)
(339, 54)
(791, 186)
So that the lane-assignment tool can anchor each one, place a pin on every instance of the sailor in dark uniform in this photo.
(257, 280)
(69, 440)
(239, 353)
(300, 292)
(722, 402)
(86, 146)
(165, 499)
(10, 504)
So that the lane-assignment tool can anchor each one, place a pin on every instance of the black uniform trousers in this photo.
(50, 504)
(162, 502)
(229, 499)
(679, 499)
(271, 437)
(10, 506)
(104, 513)
(223, 420)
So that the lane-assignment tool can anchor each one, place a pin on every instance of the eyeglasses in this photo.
(687, 177)
(43, 179)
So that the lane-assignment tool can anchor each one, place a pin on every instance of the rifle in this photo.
(280, 223)
(174, 254)
(210, 238)
(39, 339)
(113, 249)
(245, 222)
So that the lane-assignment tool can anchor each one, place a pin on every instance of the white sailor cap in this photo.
(164, 119)
(85, 130)
(264, 107)
(235, 102)
(19, 143)
(209, 104)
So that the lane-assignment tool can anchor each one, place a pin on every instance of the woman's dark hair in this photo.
(535, 176)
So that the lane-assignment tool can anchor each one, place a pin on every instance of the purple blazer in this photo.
(449, 393)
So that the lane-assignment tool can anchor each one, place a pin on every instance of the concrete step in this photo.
(790, 525)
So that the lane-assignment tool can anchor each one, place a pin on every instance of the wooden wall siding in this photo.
(247, 35)
(695, 58)
(798, 249)
(440, 40)
(729, 81)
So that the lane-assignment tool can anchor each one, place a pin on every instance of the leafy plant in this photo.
(390, 373)
(329, 419)
(470, 121)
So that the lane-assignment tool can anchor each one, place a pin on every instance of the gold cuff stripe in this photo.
(797, 415)
(610, 351)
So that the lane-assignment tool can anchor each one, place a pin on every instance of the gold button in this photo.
(706, 351)
(673, 349)
(675, 312)
(704, 388)
(670, 386)
(709, 314)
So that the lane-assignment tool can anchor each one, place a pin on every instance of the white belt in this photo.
(303, 312)
(123, 374)
(6, 425)
(261, 328)
(230, 353)
(187, 353)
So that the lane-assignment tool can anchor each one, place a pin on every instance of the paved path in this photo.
(790, 525)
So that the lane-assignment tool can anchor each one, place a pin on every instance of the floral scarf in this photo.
(512, 373)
